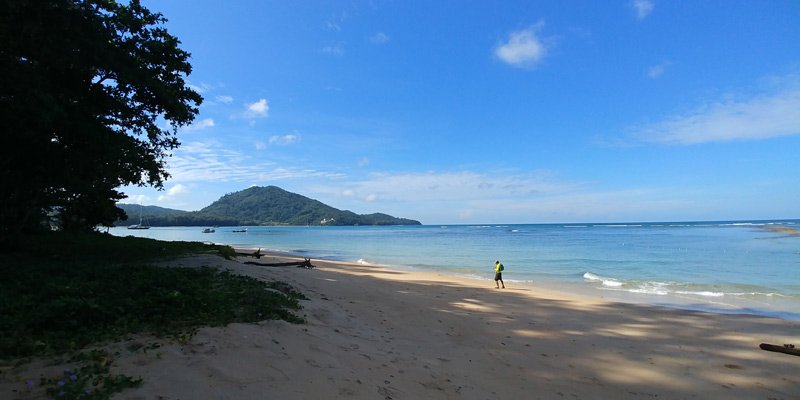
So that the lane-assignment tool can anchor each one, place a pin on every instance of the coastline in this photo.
(718, 267)
(374, 332)
(687, 302)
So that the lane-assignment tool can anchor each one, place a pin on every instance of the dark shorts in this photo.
(498, 276)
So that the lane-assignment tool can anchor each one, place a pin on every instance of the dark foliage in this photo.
(85, 90)
(63, 292)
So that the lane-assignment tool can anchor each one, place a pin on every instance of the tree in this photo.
(91, 96)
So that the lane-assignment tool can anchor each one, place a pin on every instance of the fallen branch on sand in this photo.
(299, 264)
(787, 348)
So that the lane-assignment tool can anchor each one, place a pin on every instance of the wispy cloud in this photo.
(655, 71)
(284, 140)
(523, 48)
(334, 23)
(759, 117)
(224, 99)
(200, 125)
(643, 8)
(212, 162)
(379, 38)
(201, 88)
(451, 197)
(334, 50)
(137, 199)
(258, 109)
(452, 186)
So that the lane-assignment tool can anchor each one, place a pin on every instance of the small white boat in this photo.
(137, 226)
(208, 230)
(140, 225)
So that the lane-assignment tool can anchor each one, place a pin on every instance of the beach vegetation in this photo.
(93, 93)
(66, 293)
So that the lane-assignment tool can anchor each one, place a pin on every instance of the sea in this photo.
(737, 267)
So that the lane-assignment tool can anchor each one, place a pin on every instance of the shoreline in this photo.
(578, 289)
(615, 263)
(373, 332)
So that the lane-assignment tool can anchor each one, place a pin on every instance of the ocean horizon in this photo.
(748, 267)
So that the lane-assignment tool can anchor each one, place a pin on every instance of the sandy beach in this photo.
(377, 333)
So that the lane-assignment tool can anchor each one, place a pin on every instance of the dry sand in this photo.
(376, 333)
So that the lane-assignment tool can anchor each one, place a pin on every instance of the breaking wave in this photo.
(671, 288)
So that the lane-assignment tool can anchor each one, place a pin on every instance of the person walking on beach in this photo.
(498, 274)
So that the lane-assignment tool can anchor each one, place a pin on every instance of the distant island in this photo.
(256, 206)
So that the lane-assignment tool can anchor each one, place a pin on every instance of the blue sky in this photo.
(494, 112)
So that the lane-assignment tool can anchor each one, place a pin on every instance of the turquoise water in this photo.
(732, 267)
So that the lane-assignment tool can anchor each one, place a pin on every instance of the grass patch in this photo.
(61, 293)
(94, 248)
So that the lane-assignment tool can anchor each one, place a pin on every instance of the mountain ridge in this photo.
(260, 205)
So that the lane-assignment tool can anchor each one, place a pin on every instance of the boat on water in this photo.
(141, 224)
(240, 230)
(208, 230)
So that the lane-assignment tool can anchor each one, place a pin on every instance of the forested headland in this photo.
(269, 205)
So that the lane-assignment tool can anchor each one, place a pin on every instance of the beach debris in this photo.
(786, 348)
(306, 263)
(256, 254)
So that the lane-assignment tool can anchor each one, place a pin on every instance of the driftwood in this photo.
(299, 264)
(256, 254)
(787, 348)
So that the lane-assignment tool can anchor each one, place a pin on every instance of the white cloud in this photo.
(379, 38)
(224, 99)
(363, 162)
(196, 126)
(523, 48)
(261, 145)
(656, 71)
(643, 8)
(173, 192)
(371, 197)
(284, 140)
(759, 117)
(258, 109)
(178, 190)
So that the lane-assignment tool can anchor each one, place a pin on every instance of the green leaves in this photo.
(86, 87)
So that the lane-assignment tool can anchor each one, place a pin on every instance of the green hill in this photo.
(272, 205)
(269, 205)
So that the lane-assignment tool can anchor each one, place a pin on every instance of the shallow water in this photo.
(751, 267)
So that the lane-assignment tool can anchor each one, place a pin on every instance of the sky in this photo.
(465, 112)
